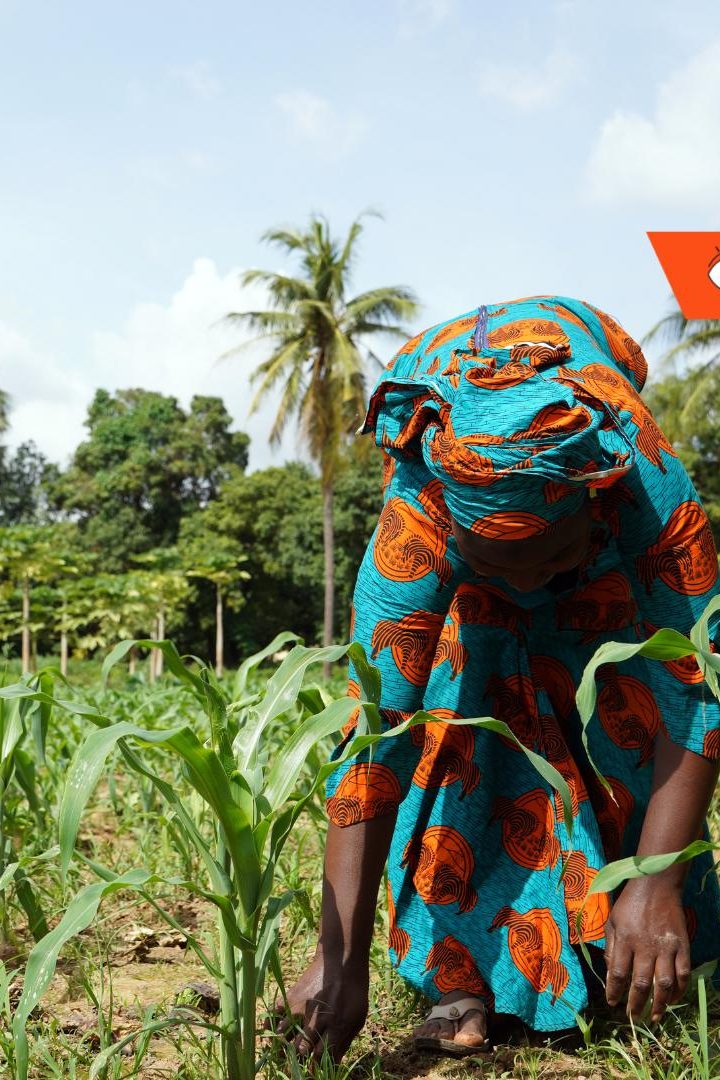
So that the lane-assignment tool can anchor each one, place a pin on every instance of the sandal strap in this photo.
(456, 1009)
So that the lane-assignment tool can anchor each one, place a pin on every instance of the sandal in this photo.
(455, 1012)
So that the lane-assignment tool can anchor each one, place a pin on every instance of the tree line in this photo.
(155, 527)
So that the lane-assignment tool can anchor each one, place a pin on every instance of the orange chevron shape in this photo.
(691, 262)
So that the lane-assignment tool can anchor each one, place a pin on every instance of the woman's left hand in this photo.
(647, 950)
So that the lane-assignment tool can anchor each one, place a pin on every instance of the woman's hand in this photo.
(648, 951)
(335, 1013)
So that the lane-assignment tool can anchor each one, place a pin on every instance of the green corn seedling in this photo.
(663, 645)
(254, 804)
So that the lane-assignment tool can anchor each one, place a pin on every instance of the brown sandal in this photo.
(455, 1012)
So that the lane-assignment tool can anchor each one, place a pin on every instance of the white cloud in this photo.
(199, 79)
(673, 157)
(313, 120)
(529, 86)
(172, 347)
(419, 16)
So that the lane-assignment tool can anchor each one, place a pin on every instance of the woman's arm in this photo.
(647, 940)
(337, 1005)
(671, 563)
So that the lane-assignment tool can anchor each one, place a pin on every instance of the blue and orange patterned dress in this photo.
(475, 897)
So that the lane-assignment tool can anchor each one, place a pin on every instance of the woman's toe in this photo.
(472, 1030)
(435, 1029)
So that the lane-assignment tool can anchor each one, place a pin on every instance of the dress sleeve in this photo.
(669, 555)
(407, 578)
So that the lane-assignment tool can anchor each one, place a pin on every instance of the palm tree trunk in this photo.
(219, 633)
(63, 652)
(329, 553)
(160, 637)
(26, 625)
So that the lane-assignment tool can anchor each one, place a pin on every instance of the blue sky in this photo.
(512, 149)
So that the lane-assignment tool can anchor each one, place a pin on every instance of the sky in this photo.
(145, 147)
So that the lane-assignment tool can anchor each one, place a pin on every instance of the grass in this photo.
(128, 970)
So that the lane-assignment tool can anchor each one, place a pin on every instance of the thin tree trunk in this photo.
(152, 659)
(26, 625)
(159, 658)
(219, 632)
(132, 660)
(63, 652)
(329, 553)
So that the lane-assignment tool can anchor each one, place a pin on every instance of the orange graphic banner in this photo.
(691, 261)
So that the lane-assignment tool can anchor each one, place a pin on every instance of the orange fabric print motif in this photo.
(626, 351)
(607, 603)
(398, 939)
(555, 420)
(442, 863)
(531, 332)
(577, 879)
(511, 374)
(367, 790)
(554, 747)
(528, 829)
(458, 459)
(711, 744)
(408, 546)
(629, 714)
(457, 969)
(510, 525)
(486, 605)
(557, 682)
(449, 647)
(411, 640)
(447, 754)
(600, 383)
(514, 702)
(684, 556)
(535, 945)
(456, 328)
(685, 668)
(612, 813)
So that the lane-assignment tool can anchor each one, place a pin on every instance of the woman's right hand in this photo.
(330, 1001)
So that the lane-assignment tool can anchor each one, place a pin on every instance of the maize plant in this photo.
(23, 723)
(254, 806)
(662, 646)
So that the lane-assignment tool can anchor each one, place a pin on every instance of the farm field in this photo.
(138, 963)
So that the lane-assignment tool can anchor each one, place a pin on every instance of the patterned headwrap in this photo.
(517, 408)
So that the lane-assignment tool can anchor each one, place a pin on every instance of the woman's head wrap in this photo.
(517, 408)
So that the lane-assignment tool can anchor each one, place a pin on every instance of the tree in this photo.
(32, 555)
(25, 479)
(145, 463)
(215, 558)
(687, 407)
(319, 348)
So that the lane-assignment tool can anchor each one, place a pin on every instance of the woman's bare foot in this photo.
(470, 1030)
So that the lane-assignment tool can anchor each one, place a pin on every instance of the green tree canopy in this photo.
(145, 463)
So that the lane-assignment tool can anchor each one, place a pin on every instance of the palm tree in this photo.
(687, 337)
(319, 348)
